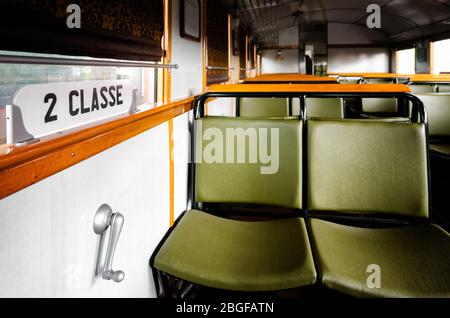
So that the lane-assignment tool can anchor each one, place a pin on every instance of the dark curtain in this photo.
(129, 30)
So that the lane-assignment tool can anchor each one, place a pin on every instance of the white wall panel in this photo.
(187, 79)
(365, 59)
(181, 161)
(48, 247)
(287, 64)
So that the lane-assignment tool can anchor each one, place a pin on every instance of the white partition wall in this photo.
(49, 248)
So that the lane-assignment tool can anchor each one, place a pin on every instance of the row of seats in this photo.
(329, 170)
(438, 110)
(284, 107)
(436, 104)
(331, 107)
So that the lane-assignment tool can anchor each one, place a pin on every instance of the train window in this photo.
(94, 87)
(440, 56)
(406, 61)
(16, 76)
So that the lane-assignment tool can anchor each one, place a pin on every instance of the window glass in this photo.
(406, 61)
(16, 76)
(441, 57)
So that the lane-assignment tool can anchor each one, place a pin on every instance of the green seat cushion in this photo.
(440, 149)
(221, 182)
(414, 261)
(238, 255)
(263, 107)
(367, 166)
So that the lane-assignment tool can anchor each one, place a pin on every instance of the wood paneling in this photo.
(289, 78)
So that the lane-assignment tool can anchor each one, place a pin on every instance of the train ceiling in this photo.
(401, 20)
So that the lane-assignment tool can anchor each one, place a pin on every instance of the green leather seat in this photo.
(243, 255)
(379, 105)
(377, 169)
(414, 261)
(217, 182)
(263, 107)
(440, 149)
(438, 109)
(237, 255)
(444, 88)
(424, 88)
(327, 107)
(349, 80)
(379, 80)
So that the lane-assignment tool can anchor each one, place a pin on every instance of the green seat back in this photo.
(349, 80)
(252, 183)
(367, 167)
(263, 107)
(326, 107)
(444, 88)
(438, 109)
(379, 105)
(378, 80)
(419, 89)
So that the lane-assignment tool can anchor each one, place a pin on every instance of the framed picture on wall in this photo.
(190, 19)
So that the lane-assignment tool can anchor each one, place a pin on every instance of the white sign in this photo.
(50, 108)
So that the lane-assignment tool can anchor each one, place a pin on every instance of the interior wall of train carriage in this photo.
(185, 81)
(49, 248)
(285, 60)
(362, 57)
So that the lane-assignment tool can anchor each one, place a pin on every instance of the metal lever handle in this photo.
(105, 218)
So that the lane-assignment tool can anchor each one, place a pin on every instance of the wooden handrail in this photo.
(23, 166)
(372, 75)
(430, 78)
(309, 88)
(290, 78)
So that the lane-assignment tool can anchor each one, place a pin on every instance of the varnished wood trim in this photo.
(431, 54)
(430, 78)
(396, 61)
(247, 72)
(289, 78)
(372, 75)
(310, 88)
(24, 166)
(167, 98)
